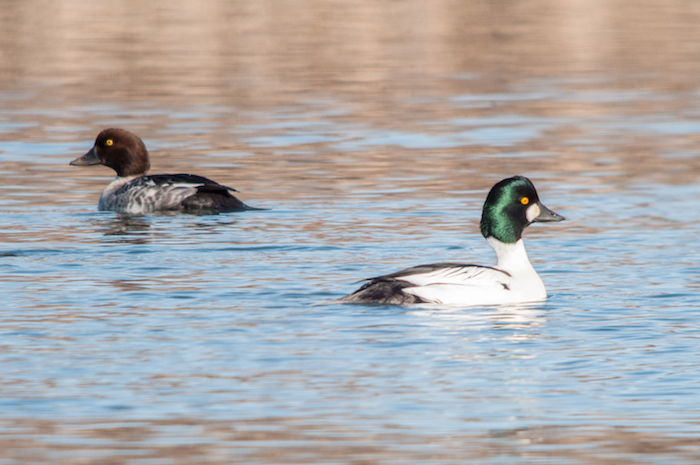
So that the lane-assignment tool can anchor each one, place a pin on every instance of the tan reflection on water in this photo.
(248, 50)
(383, 65)
(292, 440)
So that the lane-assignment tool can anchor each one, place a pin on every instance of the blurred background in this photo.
(372, 130)
(425, 78)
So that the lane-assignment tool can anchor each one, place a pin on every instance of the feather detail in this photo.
(165, 192)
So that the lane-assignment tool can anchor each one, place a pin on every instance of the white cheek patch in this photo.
(532, 212)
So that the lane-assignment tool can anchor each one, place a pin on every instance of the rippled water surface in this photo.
(370, 132)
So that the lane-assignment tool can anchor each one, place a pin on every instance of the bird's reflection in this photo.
(520, 316)
(141, 229)
(127, 229)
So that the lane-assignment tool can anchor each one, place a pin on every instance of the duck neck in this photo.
(118, 182)
(511, 256)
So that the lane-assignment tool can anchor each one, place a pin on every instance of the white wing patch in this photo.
(457, 285)
(462, 275)
(183, 185)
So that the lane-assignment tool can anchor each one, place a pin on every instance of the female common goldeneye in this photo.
(134, 192)
(511, 206)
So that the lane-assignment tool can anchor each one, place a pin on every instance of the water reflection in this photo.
(142, 229)
(528, 316)
(313, 442)
(128, 228)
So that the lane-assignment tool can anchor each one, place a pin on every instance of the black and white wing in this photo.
(425, 283)
(171, 192)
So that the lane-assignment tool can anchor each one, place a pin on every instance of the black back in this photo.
(210, 194)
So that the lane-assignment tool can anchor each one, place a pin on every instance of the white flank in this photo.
(468, 286)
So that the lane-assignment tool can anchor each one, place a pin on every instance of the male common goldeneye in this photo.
(134, 192)
(511, 206)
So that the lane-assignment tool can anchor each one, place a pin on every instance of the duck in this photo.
(134, 192)
(511, 206)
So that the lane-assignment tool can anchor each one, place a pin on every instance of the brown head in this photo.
(119, 149)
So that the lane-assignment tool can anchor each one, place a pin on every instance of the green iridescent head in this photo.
(511, 206)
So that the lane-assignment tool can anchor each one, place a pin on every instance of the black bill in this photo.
(88, 159)
(547, 215)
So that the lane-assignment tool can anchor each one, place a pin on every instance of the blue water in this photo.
(215, 331)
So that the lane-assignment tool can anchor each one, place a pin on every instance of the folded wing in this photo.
(422, 284)
(165, 192)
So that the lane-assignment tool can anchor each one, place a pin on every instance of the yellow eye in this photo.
(524, 200)
(109, 142)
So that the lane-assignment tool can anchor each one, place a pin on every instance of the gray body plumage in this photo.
(148, 194)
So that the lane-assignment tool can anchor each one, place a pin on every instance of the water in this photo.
(371, 133)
